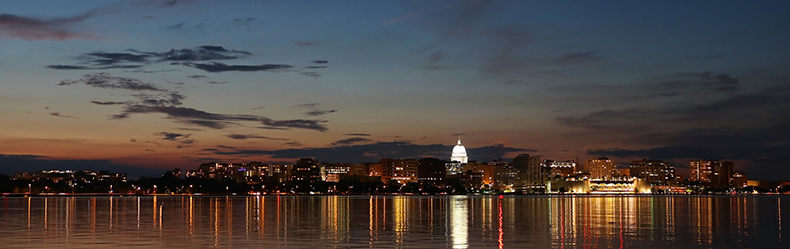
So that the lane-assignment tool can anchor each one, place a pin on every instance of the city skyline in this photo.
(164, 84)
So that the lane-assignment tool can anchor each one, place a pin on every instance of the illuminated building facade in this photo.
(306, 169)
(601, 168)
(531, 169)
(652, 171)
(739, 179)
(400, 170)
(459, 153)
(716, 174)
(560, 168)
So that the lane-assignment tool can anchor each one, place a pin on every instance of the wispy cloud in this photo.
(216, 67)
(57, 114)
(132, 58)
(350, 141)
(252, 136)
(357, 134)
(181, 140)
(28, 28)
(105, 80)
(315, 111)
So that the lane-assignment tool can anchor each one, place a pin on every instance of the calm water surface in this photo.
(396, 222)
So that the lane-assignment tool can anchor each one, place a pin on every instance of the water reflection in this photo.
(395, 221)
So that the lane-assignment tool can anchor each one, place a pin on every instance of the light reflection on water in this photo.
(395, 221)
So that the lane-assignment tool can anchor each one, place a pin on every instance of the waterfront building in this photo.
(400, 170)
(601, 169)
(701, 170)
(431, 170)
(653, 171)
(560, 168)
(531, 170)
(739, 179)
(714, 173)
(306, 169)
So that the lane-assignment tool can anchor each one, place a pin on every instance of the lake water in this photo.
(396, 222)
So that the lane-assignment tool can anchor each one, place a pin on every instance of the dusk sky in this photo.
(157, 85)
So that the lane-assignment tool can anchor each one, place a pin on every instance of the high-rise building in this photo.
(722, 175)
(531, 170)
(306, 169)
(400, 170)
(431, 170)
(701, 170)
(652, 171)
(739, 179)
(602, 168)
(716, 174)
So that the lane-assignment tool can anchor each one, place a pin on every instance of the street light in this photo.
(29, 188)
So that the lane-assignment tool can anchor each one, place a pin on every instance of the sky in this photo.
(144, 86)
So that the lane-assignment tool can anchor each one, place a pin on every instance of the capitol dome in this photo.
(459, 153)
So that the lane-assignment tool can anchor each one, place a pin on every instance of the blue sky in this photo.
(164, 84)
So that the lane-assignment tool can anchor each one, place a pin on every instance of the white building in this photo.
(459, 153)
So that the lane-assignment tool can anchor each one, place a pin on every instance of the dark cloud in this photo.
(252, 136)
(226, 147)
(105, 80)
(181, 140)
(315, 110)
(35, 163)
(293, 143)
(57, 114)
(197, 76)
(357, 134)
(28, 28)
(219, 121)
(164, 99)
(578, 58)
(296, 123)
(202, 53)
(108, 103)
(77, 67)
(350, 141)
(216, 67)
(218, 82)
(319, 112)
(314, 67)
(133, 140)
(375, 151)
(320, 61)
(135, 59)
(171, 136)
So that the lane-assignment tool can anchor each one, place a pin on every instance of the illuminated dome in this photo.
(459, 153)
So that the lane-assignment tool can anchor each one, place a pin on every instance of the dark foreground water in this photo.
(396, 222)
